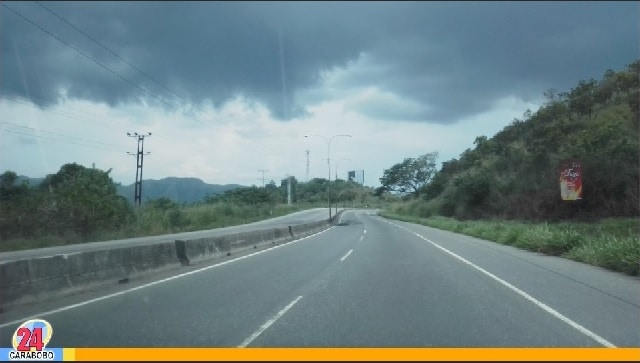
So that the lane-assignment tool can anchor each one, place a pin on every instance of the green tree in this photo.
(9, 189)
(84, 201)
(409, 176)
(17, 208)
(583, 98)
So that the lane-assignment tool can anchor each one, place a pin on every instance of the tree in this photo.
(409, 176)
(347, 195)
(84, 200)
(583, 98)
(16, 206)
(9, 189)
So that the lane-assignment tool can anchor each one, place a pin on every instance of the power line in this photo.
(22, 133)
(69, 112)
(50, 138)
(59, 134)
(107, 48)
(88, 56)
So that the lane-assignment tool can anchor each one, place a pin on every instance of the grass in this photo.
(612, 243)
(155, 221)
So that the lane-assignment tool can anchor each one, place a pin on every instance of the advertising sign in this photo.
(570, 174)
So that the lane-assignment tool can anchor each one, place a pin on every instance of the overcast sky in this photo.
(230, 88)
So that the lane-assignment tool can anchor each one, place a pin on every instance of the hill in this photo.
(31, 181)
(514, 174)
(179, 190)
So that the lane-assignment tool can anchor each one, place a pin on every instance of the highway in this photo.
(366, 282)
(306, 216)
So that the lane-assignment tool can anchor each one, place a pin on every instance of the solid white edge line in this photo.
(538, 303)
(269, 322)
(65, 308)
(345, 256)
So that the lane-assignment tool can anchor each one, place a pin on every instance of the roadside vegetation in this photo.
(610, 243)
(506, 189)
(79, 204)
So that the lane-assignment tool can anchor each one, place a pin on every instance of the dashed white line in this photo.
(530, 298)
(347, 255)
(269, 322)
(51, 312)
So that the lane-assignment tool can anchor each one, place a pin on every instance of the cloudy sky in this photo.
(231, 88)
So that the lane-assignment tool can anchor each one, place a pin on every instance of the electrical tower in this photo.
(263, 171)
(139, 159)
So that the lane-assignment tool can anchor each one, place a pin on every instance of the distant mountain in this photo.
(180, 190)
(33, 182)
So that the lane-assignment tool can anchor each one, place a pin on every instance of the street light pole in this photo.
(329, 166)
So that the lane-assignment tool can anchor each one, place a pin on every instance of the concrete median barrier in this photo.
(44, 278)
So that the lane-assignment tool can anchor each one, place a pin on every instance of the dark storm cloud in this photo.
(453, 58)
(468, 54)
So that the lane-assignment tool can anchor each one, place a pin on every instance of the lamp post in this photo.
(336, 179)
(328, 141)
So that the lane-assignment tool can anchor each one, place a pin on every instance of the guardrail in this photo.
(43, 278)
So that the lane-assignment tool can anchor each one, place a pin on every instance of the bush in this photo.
(612, 243)
(561, 242)
(615, 253)
(174, 218)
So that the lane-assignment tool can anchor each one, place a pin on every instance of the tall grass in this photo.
(156, 221)
(612, 243)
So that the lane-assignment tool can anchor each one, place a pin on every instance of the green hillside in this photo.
(507, 188)
(514, 174)
(179, 190)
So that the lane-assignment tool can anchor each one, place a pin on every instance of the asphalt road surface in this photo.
(367, 282)
(302, 217)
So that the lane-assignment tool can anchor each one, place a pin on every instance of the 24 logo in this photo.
(30, 339)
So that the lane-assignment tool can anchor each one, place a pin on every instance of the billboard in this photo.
(356, 176)
(570, 175)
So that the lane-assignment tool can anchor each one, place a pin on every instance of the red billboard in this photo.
(570, 173)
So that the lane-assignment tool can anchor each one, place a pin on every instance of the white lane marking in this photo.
(65, 308)
(365, 231)
(345, 256)
(269, 322)
(361, 238)
(538, 303)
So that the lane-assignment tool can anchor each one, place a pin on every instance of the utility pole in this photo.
(263, 171)
(288, 189)
(307, 165)
(139, 160)
(328, 141)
